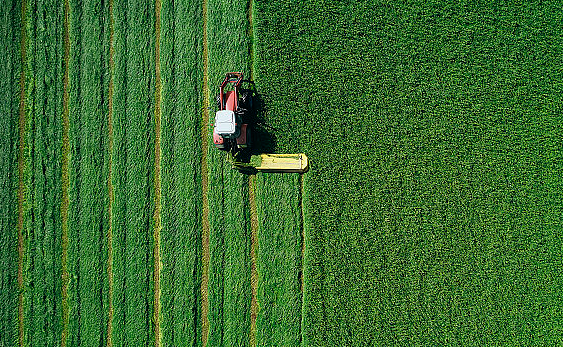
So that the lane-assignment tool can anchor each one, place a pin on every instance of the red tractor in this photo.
(231, 130)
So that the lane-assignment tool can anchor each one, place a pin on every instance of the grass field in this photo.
(434, 135)
(431, 214)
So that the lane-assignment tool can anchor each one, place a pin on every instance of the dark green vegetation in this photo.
(229, 236)
(133, 172)
(432, 207)
(42, 153)
(279, 260)
(181, 67)
(88, 196)
(10, 28)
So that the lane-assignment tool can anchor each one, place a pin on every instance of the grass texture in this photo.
(133, 172)
(279, 260)
(10, 12)
(88, 196)
(432, 213)
(42, 223)
(181, 71)
(229, 236)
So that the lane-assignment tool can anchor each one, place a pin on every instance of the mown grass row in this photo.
(10, 12)
(88, 195)
(42, 224)
(431, 208)
(229, 237)
(133, 172)
(279, 262)
(181, 71)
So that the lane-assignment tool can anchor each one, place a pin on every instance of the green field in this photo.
(431, 214)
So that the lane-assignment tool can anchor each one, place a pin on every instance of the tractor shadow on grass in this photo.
(262, 138)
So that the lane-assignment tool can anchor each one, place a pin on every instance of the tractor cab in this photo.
(226, 124)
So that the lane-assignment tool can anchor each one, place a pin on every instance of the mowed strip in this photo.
(133, 173)
(279, 260)
(43, 153)
(21, 163)
(88, 196)
(181, 177)
(10, 89)
(229, 218)
(204, 183)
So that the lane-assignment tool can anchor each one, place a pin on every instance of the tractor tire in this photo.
(246, 100)
(218, 102)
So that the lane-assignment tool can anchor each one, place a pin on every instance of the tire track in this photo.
(252, 204)
(21, 143)
(65, 178)
(110, 184)
(157, 183)
(204, 186)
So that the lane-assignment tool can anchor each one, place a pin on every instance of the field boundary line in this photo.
(110, 184)
(21, 143)
(204, 187)
(253, 260)
(157, 183)
(252, 203)
(302, 233)
(65, 177)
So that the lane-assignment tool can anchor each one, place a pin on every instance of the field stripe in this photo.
(10, 28)
(252, 203)
(65, 180)
(109, 182)
(21, 144)
(253, 249)
(204, 188)
(157, 183)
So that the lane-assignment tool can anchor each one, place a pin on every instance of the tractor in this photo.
(231, 131)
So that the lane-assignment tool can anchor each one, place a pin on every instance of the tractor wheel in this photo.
(246, 100)
(218, 101)
(248, 137)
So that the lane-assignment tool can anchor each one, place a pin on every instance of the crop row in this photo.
(9, 106)
(279, 263)
(229, 236)
(432, 131)
(133, 172)
(181, 69)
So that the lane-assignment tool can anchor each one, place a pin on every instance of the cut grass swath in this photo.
(180, 62)
(43, 253)
(10, 12)
(229, 237)
(88, 194)
(133, 172)
(278, 260)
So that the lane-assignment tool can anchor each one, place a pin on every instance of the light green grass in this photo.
(432, 212)
(180, 62)
(88, 219)
(278, 260)
(43, 251)
(229, 237)
(9, 105)
(133, 173)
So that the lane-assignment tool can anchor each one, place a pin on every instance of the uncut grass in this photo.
(88, 219)
(42, 252)
(10, 12)
(181, 76)
(229, 235)
(431, 207)
(279, 267)
(133, 173)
